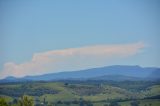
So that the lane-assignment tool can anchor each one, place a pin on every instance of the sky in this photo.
(48, 36)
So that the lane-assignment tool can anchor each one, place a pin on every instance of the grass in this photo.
(155, 102)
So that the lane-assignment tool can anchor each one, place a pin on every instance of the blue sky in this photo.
(38, 26)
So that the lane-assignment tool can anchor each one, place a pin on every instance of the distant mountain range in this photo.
(115, 73)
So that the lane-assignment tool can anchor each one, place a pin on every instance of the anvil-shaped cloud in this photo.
(71, 59)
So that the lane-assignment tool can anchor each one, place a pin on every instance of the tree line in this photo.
(29, 101)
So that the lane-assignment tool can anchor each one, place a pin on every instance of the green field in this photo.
(90, 93)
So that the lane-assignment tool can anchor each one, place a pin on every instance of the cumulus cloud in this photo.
(71, 59)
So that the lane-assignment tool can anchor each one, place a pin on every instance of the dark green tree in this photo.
(114, 104)
(135, 103)
(15, 101)
(105, 105)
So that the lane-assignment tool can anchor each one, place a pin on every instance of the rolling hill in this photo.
(116, 72)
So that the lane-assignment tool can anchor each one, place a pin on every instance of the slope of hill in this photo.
(117, 78)
(115, 72)
(155, 75)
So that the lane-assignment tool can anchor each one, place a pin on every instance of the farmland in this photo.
(84, 93)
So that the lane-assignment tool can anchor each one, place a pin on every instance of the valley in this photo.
(83, 93)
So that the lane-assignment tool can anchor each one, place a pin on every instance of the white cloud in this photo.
(71, 59)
